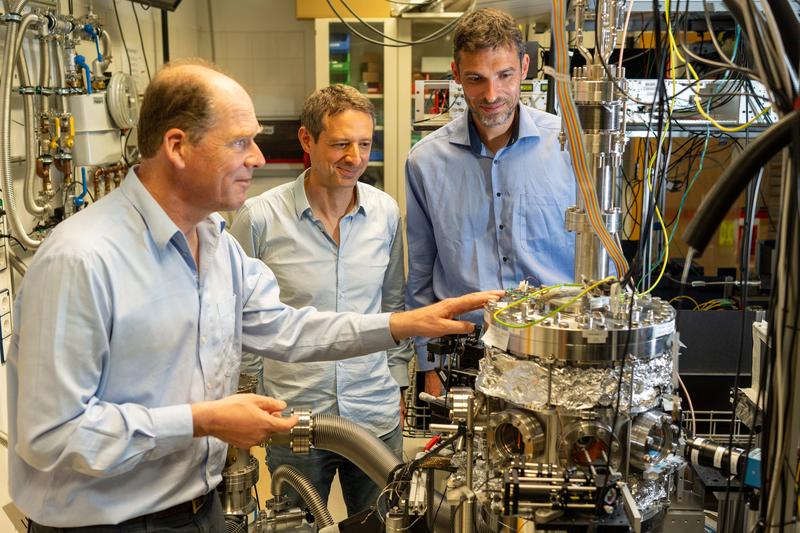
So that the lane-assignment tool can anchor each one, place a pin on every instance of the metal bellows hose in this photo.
(367, 452)
(356, 444)
(286, 474)
(11, 52)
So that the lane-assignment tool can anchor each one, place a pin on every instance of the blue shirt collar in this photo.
(466, 134)
(158, 223)
(301, 205)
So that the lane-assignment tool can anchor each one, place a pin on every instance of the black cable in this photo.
(734, 179)
(438, 34)
(11, 237)
(141, 40)
(122, 37)
(789, 28)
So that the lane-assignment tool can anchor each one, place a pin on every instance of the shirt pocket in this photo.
(541, 219)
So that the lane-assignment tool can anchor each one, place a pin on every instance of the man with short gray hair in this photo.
(336, 244)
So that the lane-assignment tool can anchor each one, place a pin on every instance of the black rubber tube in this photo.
(735, 179)
(789, 29)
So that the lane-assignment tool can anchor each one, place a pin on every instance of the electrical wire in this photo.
(691, 406)
(141, 40)
(400, 43)
(675, 53)
(624, 32)
(122, 37)
(539, 292)
(574, 137)
(685, 297)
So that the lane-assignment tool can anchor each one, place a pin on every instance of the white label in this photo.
(718, 457)
(595, 336)
(663, 329)
(496, 337)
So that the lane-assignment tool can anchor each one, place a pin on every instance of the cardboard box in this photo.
(370, 67)
(316, 9)
(371, 77)
(371, 57)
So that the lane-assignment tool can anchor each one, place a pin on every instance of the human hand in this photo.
(242, 420)
(433, 385)
(436, 320)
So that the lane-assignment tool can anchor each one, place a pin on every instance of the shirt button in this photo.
(208, 385)
(202, 340)
(502, 226)
(498, 195)
(505, 259)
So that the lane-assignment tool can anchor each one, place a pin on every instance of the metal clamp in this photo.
(459, 409)
(11, 17)
(302, 433)
(577, 221)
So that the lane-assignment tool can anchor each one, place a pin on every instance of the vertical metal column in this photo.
(601, 110)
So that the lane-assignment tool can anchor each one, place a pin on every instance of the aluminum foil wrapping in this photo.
(648, 494)
(526, 383)
(480, 469)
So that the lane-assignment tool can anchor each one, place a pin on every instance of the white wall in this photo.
(265, 48)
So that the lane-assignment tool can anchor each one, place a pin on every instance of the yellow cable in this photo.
(674, 50)
(650, 168)
(515, 303)
(553, 312)
(685, 297)
(573, 300)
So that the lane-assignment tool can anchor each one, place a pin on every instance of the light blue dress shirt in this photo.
(117, 334)
(364, 274)
(480, 221)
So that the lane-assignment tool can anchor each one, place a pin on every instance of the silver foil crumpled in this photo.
(648, 494)
(480, 469)
(527, 383)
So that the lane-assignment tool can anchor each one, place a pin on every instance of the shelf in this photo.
(373, 95)
(375, 164)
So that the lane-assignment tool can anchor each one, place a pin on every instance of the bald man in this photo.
(131, 321)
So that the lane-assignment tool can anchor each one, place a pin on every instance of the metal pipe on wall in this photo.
(13, 26)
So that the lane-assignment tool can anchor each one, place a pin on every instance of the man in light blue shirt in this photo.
(487, 193)
(131, 320)
(336, 244)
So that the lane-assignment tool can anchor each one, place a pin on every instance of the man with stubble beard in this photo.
(487, 193)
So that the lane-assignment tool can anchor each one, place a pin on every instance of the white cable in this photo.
(625, 31)
(691, 406)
